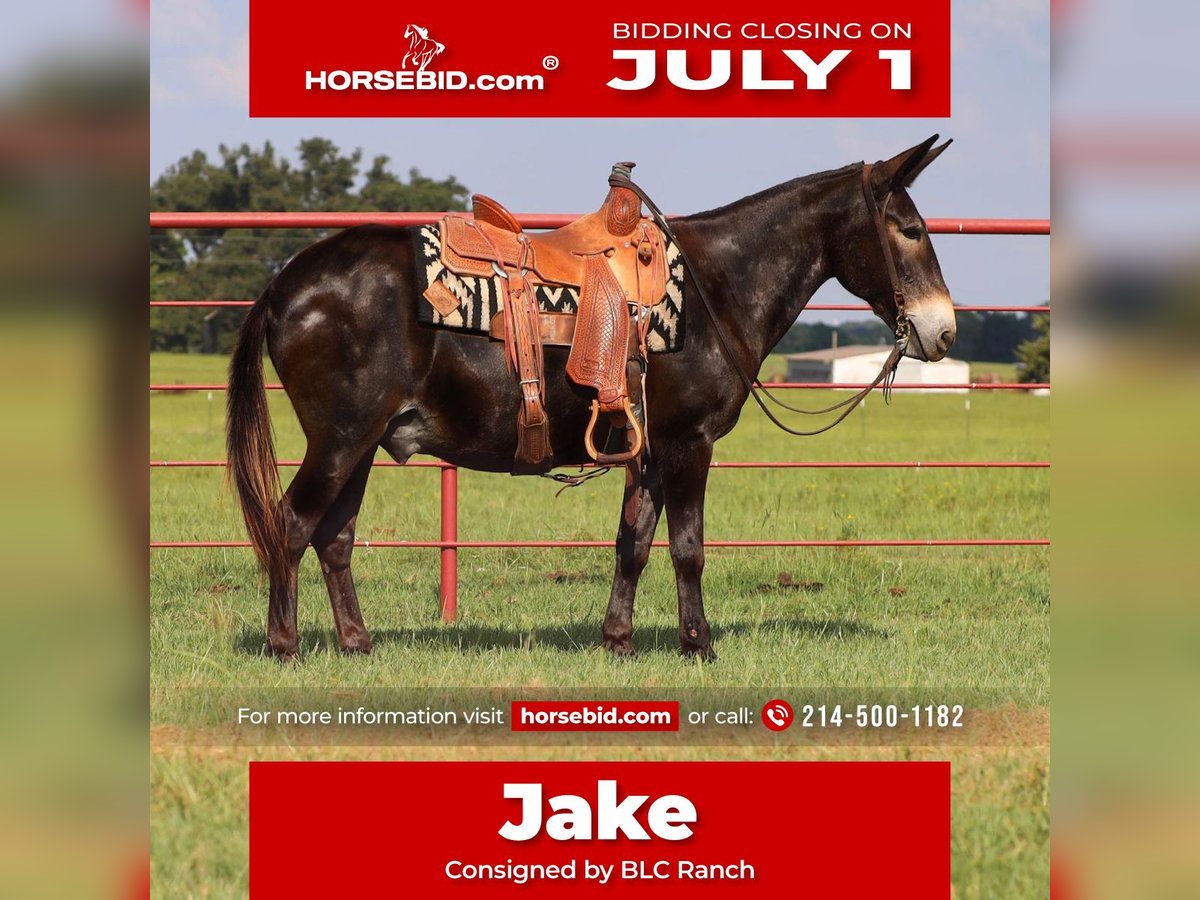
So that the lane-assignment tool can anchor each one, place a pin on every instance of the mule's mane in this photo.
(802, 184)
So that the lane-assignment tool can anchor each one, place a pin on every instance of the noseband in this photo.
(755, 387)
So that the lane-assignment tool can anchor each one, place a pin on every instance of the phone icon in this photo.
(777, 715)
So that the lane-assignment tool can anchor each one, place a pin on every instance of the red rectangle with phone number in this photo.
(547, 59)
(595, 715)
(755, 829)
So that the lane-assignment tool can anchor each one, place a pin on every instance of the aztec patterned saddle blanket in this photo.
(470, 302)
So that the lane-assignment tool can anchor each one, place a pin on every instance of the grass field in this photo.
(958, 619)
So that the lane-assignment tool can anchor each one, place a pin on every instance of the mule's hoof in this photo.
(620, 649)
(357, 646)
(705, 654)
(283, 643)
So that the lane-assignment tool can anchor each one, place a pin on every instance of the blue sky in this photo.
(998, 166)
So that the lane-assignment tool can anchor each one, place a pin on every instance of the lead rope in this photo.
(754, 386)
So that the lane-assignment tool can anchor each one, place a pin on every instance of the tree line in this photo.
(237, 263)
(982, 337)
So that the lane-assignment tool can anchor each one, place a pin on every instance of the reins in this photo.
(620, 177)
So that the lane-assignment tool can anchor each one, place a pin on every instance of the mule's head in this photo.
(863, 270)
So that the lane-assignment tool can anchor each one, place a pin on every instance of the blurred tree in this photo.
(804, 336)
(969, 337)
(383, 190)
(982, 337)
(236, 264)
(1033, 355)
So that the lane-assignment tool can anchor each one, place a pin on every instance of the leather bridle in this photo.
(879, 215)
(904, 329)
(755, 387)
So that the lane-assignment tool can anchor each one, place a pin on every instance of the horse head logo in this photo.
(421, 49)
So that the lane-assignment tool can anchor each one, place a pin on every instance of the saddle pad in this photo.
(480, 298)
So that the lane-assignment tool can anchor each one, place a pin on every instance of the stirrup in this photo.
(632, 450)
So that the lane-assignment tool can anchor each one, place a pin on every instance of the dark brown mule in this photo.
(340, 323)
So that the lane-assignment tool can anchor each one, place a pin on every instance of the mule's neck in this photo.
(762, 258)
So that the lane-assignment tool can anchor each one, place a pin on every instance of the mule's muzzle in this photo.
(932, 329)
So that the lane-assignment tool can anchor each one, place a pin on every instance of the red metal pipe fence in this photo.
(801, 464)
(825, 307)
(771, 385)
(448, 543)
(528, 220)
(448, 585)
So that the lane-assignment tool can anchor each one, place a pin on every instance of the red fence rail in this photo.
(772, 385)
(803, 464)
(528, 220)
(607, 545)
(825, 307)
(448, 543)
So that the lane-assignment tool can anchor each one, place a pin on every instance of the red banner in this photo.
(595, 715)
(701, 58)
(555, 829)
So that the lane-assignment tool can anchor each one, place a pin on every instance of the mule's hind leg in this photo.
(334, 543)
(633, 551)
(317, 485)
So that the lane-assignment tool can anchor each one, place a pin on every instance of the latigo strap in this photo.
(522, 343)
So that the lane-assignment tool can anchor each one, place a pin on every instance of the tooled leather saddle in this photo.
(617, 261)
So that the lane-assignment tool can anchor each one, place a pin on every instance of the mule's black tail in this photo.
(249, 445)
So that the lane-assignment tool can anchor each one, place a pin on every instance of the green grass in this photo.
(1004, 371)
(968, 617)
(969, 620)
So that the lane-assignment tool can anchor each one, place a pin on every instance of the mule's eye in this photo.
(912, 232)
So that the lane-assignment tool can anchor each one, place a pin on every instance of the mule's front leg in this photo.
(685, 478)
(634, 536)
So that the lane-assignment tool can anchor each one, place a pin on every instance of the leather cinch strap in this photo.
(523, 353)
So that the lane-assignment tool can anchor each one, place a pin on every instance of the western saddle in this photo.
(617, 262)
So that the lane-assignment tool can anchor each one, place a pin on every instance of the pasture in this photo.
(960, 619)
(966, 617)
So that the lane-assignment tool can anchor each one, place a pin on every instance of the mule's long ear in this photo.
(928, 158)
(898, 172)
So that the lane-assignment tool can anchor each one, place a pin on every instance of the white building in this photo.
(860, 363)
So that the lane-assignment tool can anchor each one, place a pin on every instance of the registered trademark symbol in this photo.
(550, 63)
